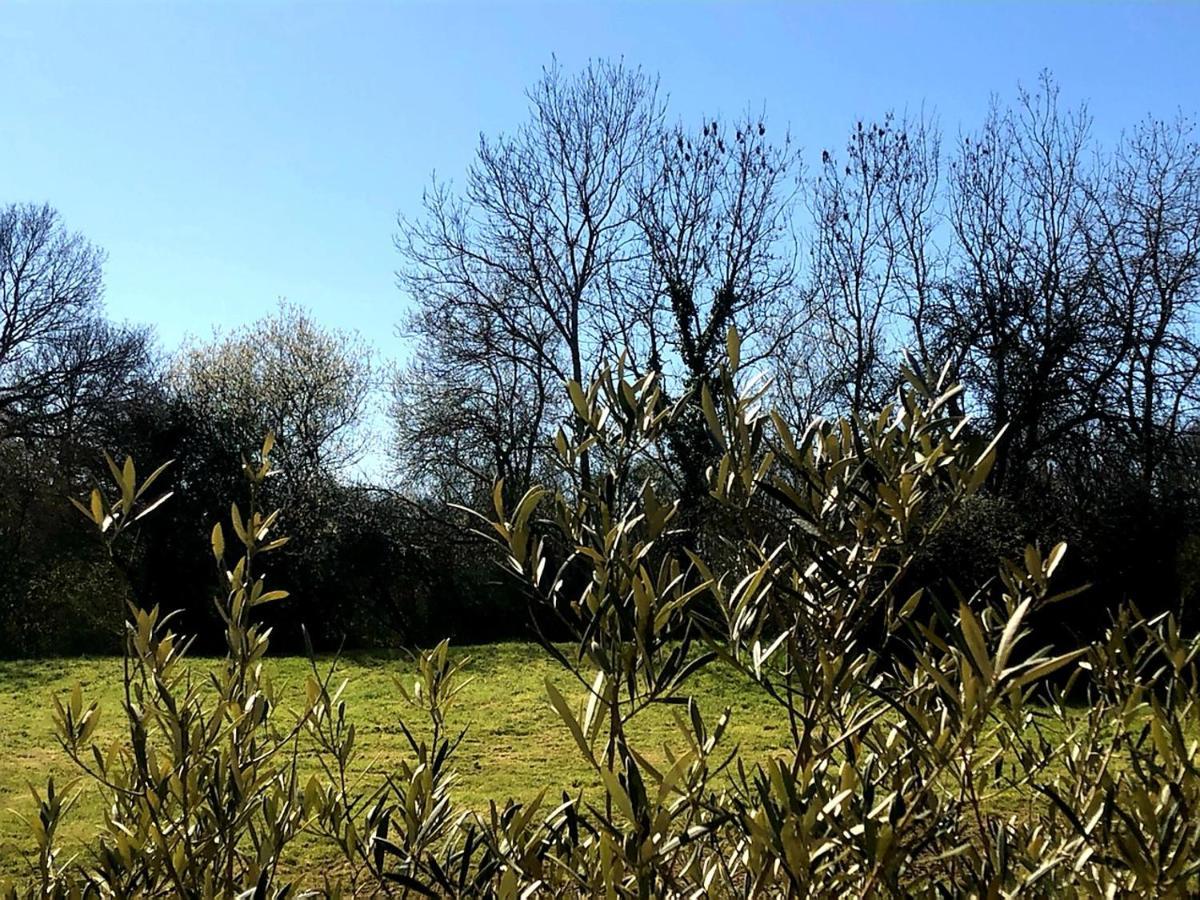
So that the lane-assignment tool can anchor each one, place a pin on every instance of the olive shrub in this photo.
(935, 748)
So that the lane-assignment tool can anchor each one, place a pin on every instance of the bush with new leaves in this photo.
(935, 749)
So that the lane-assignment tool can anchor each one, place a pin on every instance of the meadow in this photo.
(514, 743)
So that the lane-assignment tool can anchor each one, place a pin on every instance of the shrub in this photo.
(201, 792)
(931, 753)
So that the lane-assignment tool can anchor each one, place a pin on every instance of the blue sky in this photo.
(229, 154)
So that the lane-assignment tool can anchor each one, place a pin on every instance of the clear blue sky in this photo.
(227, 154)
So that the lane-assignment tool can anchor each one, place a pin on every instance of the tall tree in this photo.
(60, 361)
(1025, 319)
(715, 216)
(468, 412)
(593, 230)
(530, 255)
(854, 269)
(1148, 209)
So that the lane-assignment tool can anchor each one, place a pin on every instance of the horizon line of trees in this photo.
(1057, 279)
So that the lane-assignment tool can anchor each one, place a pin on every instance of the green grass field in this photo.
(515, 744)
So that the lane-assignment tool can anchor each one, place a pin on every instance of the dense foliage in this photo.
(377, 562)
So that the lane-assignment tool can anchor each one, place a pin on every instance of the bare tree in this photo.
(1025, 319)
(1149, 212)
(58, 358)
(593, 230)
(854, 275)
(86, 380)
(919, 259)
(1058, 283)
(469, 409)
(874, 216)
(1058, 280)
(715, 216)
(533, 250)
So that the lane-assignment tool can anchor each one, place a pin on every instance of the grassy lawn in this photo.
(515, 743)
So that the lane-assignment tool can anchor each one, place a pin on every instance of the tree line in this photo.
(1054, 276)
